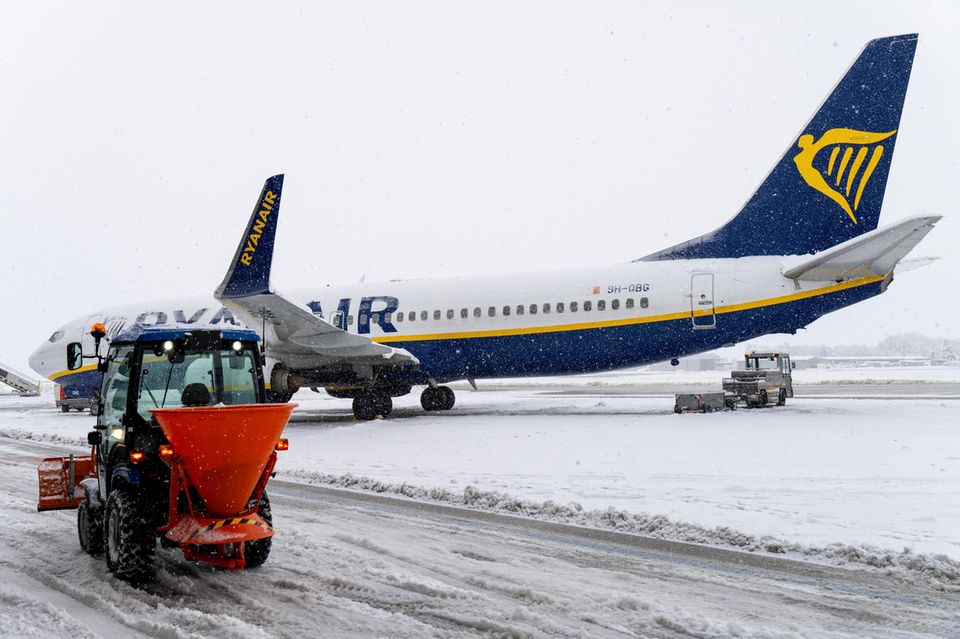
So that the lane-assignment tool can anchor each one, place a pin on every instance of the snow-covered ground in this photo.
(821, 477)
(816, 471)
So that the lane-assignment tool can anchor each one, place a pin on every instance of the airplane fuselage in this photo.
(550, 323)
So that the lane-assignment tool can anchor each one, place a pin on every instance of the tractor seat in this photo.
(195, 394)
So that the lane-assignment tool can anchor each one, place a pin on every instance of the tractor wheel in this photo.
(64, 409)
(782, 397)
(763, 397)
(256, 552)
(131, 541)
(90, 528)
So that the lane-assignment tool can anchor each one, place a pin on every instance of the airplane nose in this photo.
(37, 361)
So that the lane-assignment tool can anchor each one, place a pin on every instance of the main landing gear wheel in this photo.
(437, 398)
(369, 405)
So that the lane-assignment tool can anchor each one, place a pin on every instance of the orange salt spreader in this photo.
(184, 446)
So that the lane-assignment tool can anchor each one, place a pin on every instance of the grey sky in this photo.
(429, 139)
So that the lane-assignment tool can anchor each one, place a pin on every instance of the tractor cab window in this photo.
(177, 377)
(113, 392)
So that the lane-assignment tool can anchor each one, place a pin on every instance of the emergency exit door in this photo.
(702, 310)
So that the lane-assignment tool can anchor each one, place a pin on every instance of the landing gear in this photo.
(368, 405)
(437, 398)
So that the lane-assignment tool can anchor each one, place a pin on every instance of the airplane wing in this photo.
(292, 333)
(872, 254)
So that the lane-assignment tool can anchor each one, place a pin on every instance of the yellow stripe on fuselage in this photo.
(629, 321)
(82, 369)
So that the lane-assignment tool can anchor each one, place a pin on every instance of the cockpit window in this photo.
(56, 337)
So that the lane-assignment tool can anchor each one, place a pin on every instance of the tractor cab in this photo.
(152, 368)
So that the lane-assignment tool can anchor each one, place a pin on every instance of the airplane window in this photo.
(412, 316)
(424, 316)
(436, 315)
(587, 306)
(519, 309)
(644, 302)
(349, 320)
(615, 304)
(464, 313)
(601, 305)
(363, 320)
(506, 310)
(375, 318)
(449, 313)
(476, 311)
(573, 307)
(492, 311)
(629, 302)
(55, 337)
(533, 309)
(399, 317)
(546, 309)
(559, 307)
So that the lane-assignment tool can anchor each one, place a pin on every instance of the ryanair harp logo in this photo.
(844, 143)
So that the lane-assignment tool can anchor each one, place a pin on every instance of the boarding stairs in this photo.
(25, 386)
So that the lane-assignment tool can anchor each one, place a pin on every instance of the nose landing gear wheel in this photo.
(437, 398)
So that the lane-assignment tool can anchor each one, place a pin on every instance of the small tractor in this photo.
(184, 446)
(765, 376)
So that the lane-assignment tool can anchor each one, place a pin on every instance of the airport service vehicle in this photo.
(183, 448)
(74, 398)
(765, 376)
(805, 244)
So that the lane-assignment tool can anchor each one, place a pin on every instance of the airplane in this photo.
(805, 244)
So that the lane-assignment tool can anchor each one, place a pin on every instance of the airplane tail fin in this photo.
(249, 273)
(828, 187)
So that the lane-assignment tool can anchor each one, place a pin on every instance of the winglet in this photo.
(249, 273)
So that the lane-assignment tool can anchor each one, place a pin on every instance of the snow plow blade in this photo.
(60, 479)
(224, 449)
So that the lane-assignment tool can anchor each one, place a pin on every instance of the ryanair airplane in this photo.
(805, 244)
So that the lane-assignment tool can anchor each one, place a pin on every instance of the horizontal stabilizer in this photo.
(873, 254)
